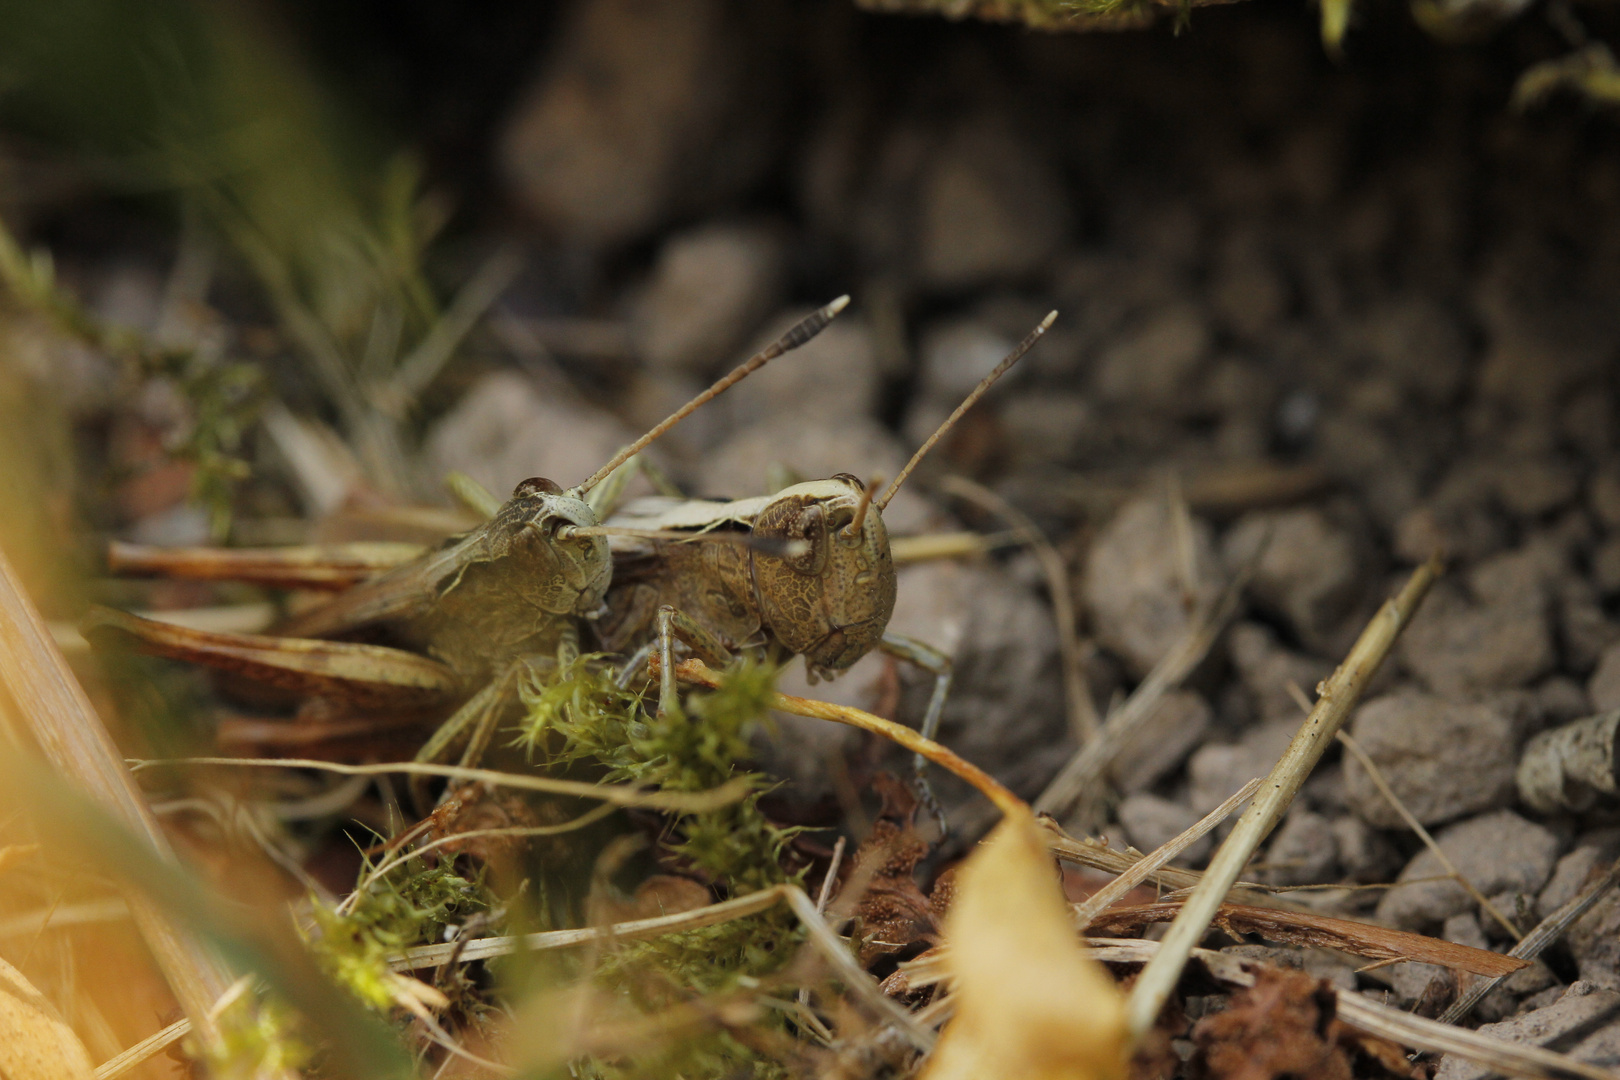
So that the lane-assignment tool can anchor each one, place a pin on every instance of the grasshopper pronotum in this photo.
(829, 602)
(469, 616)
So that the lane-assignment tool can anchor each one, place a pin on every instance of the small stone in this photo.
(1576, 870)
(710, 288)
(1530, 487)
(1606, 566)
(1514, 905)
(1495, 852)
(1166, 736)
(1442, 759)
(1604, 687)
(1150, 821)
(1308, 569)
(1267, 670)
(504, 430)
(1217, 770)
(1303, 851)
(1516, 989)
(1581, 1009)
(1594, 941)
(1561, 699)
(956, 354)
(830, 380)
(1366, 855)
(1413, 982)
(641, 113)
(1497, 641)
(1419, 343)
(1158, 361)
(1047, 427)
(991, 209)
(1603, 497)
(1133, 585)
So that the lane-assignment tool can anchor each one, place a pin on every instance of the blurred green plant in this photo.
(206, 103)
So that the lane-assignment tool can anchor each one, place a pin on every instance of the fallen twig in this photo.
(1338, 694)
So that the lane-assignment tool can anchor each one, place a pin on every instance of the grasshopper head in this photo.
(832, 603)
(560, 574)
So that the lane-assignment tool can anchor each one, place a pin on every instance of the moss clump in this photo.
(410, 905)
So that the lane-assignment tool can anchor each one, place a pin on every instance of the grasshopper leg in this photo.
(938, 664)
(671, 625)
(473, 725)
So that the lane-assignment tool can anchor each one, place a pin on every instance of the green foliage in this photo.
(224, 396)
(410, 905)
(257, 1038)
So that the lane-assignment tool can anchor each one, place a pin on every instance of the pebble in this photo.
(990, 208)
(1584, 1015)
(1306, 568)
(1498, 639)
(1304, 851)
(1156, 363)
(1175, 727)
(641, 112)
(1133, 587)
(1217, 770)
(1443, 759)
(710, 288)
(1267, 670)
(504, 430)
(1149, 821)
(1495, 852)
(1365, 854)
(1604, 687)
(1574, 872)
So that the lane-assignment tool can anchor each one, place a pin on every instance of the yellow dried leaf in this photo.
(35, 1043)
(1030, 1003)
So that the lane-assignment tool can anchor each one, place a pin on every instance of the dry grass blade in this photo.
(1319, 931)
(906, 550)
(616, 794)
(1339, 694)
(1110, 894)
(1083, 719)
(146, 1049)
(47, 701)
(1532, 945)
(698, 673)
(1097, 855)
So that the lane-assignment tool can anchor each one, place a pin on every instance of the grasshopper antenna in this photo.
(967, 403)
(806, 329)
(854, 526)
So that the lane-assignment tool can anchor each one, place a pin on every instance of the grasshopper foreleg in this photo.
(938, 664)
(473, 724)
(704, 645)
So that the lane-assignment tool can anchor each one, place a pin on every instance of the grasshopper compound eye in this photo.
(536, 485)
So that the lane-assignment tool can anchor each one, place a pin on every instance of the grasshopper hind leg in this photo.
(937, 664)
(470, 729)
(708, 648)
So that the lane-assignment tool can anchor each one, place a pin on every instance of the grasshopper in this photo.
(830, 602)
(469, 617)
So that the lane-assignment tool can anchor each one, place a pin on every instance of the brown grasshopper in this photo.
(830, 602)
(469, 617)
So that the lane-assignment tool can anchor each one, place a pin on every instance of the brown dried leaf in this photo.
(1280, 1027)
(1029, 1002)
(892, 914)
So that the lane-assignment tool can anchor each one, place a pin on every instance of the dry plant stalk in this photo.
(698, 673)
(1338, 694)
(52, 709)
